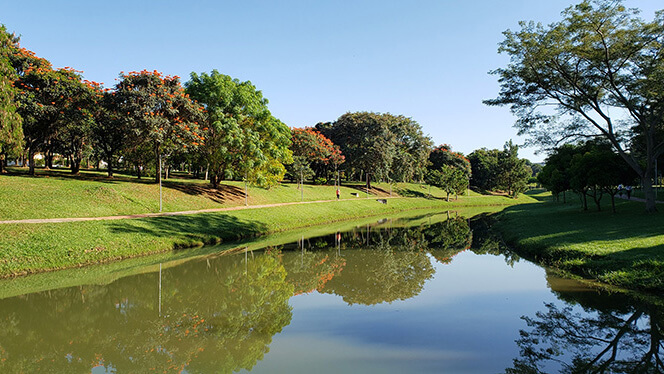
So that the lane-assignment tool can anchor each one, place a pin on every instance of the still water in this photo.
(428, 294)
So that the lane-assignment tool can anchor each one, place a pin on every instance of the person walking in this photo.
(628, 189)
(338, 193)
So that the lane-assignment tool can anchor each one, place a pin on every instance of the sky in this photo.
(313, 60)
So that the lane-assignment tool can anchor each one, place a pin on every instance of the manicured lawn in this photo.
(58, 194)
(28, 248)
(624, 249)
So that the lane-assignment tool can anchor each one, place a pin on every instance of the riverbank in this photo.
(30, 248)
(625, 249)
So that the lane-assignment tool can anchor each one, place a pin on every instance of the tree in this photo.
(449, 178)
(484, 167)
(56, 107)
(513, 172)
(159, 112)
(412, 150)
(312, 149)
(243, 139)
(11, 130)
(555, 175)
(367, 142)
(111, 132)
(601, 57)
(443, 155)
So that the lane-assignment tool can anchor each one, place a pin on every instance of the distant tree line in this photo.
(213, 126)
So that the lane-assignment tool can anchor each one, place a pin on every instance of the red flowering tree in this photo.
(312, 150)
(160, 114)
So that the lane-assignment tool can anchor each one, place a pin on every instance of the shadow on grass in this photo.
(590, 243)
(223, 194)
(376, 191)
(209, 228)
(84, 175)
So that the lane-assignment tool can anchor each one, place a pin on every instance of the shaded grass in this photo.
(624, 249)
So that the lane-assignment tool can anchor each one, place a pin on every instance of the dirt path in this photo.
(163, 214)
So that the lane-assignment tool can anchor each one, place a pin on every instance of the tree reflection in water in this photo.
(217, 314)
(616, 334)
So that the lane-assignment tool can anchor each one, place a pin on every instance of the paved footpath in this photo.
(164, 214)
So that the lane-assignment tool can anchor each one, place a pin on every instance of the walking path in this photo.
(163, 214)
(637, 199)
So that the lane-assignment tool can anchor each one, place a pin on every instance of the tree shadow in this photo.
(376, 191)
(85, 175)
(206, 228)
(223, 194)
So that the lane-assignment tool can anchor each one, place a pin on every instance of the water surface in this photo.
(396, 296)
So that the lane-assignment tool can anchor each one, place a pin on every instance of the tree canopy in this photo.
(601, 69)
(242, 136)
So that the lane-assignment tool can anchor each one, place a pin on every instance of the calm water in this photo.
(401, 296)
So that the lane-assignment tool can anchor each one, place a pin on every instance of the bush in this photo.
(320, 181)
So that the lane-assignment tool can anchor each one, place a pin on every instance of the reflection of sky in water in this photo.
(464, 321)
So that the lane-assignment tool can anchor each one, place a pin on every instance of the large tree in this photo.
(11, 131)
(313, 151)
(243, 139)
(160, 113)
(601, 68)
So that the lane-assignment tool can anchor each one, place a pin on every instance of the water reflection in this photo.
(217, 316)
(221, 313)
(592, 332)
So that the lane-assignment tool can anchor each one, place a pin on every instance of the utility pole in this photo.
(160, 182)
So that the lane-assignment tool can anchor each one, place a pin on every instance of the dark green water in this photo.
(401, 296)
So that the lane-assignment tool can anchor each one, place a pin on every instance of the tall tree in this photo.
(484, 166)
(11, 130)
(314, 150)
(367, 142)
(160, 112)
(513, 172)
(243, 139)
(600, 58)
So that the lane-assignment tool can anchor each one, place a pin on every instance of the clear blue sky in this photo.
(313, 60)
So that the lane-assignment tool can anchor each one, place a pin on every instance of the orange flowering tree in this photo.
(11, 130)
(56, 106)
(243, 139)
(312, 150)
(160, 114)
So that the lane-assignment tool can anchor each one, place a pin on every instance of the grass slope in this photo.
(28, 248)
(58, 194)
(625, 249)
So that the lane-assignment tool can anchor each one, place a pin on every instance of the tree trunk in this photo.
(3, 162)
(31, 161)
(649, 193)
(138, 171)
(109, 169)
(613, 202)
(76, 160)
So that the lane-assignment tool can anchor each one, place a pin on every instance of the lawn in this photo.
(28, 248)
(625, 249)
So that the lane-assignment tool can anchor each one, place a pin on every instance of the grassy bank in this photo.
(58, 194)
(28, 248)
(624, 249)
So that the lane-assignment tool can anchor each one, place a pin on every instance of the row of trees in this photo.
(591, 169)
(213, 124)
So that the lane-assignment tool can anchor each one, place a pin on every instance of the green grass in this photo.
(28, 248)
(624, 249)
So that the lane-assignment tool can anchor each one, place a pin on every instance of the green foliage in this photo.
(601, 57)
(449, 179)
(383, 145)
(316, 151)
(243, 139)
(11, 130)
(484, 166)
(513, 172)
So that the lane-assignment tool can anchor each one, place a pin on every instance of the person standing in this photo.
(628, 189)
(338, 193)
